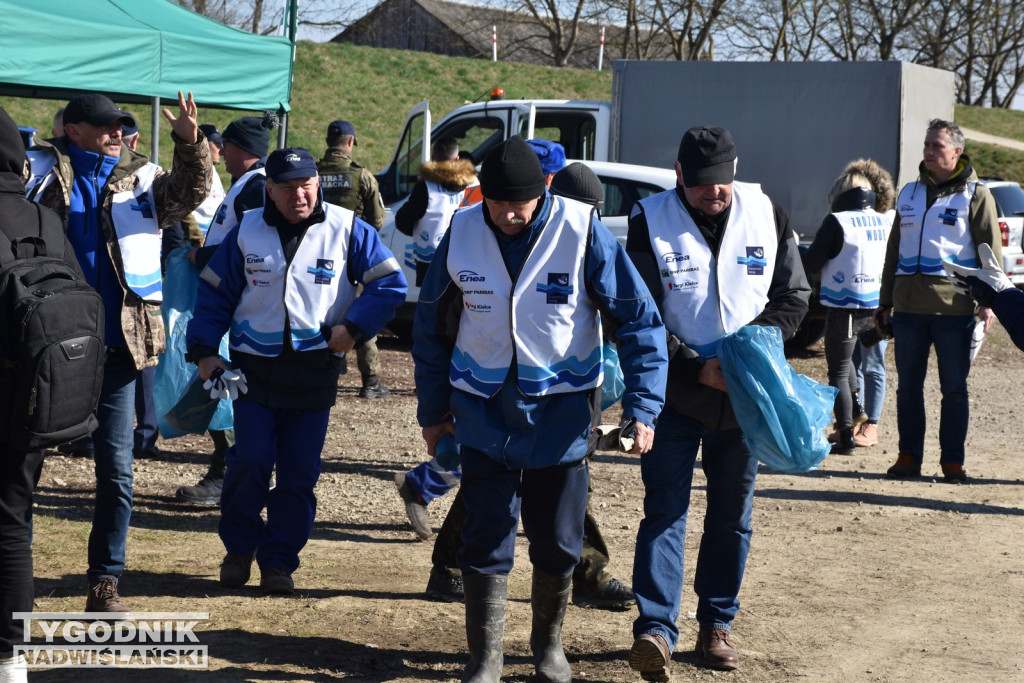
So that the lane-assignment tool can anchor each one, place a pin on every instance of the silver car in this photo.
(1010, 201)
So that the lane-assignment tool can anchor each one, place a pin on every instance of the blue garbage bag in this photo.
(174, 374)
(783, 414)
(614, 383)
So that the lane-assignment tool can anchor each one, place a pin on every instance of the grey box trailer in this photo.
(796, 124)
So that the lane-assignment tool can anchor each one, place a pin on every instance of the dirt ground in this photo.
(851, 577)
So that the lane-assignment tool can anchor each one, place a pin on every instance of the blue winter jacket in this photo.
(525, 432)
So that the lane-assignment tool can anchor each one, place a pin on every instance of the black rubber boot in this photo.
(549, 597)
(845, 445)
(485, 626)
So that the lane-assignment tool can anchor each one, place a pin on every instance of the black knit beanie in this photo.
(577, 181)
(511, 172)
(249, 134)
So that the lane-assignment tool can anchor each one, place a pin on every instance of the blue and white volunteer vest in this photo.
(205, 212)
(225, 219)
(852, 279)
(704, 298)
(441, 206)
(544, 321)
(941, 232)
(136, 225)
(311, 291)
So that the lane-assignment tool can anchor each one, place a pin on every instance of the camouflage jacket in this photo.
(177, 193)
(348, 184)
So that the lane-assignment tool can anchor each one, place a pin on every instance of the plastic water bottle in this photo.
(446, 452)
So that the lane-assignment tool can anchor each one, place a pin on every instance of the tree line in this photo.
(980, 41)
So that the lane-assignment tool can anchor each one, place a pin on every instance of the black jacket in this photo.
(788, 297)
(18, 216)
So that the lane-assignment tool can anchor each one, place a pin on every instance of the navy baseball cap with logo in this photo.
(96, 110)
(339, 128)
(290, 163)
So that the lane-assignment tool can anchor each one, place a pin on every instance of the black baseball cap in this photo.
(290, 163)
(97, 110)
(707, 156)
(339, 128)
(212, 134)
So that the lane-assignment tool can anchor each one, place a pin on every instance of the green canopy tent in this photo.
(140, 51)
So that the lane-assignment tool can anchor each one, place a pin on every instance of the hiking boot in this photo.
(614, 595)
(953, 473)
(859, 418)
(235, 570)
(275, 581)
(103, 597)
(906, 466)
(206, 492)
(833, 438)
(372, 388)
(714, 649)
(415, 508)
(866, 435)
(444, 585)
(845, 445)
(650, 656)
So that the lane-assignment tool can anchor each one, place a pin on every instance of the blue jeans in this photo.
(869, 362)
(951, 336)
(552, 500)
(113, 443)
(293, 441)
(145, 410)
(667, 471)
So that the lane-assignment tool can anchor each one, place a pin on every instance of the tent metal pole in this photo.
(282, 132)
(154, 137)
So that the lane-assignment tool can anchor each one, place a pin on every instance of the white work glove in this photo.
(616, 438)
(981, 283)
(226, 384)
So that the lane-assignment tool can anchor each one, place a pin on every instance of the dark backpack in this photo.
(51, 343)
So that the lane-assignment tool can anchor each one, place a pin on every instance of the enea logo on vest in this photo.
(323, 272)
(754, 261)
(252, 267)
(470, 276)
(557, 289)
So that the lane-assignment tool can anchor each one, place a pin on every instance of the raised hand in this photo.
(185, 126)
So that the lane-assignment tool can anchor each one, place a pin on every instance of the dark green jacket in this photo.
(348, 184)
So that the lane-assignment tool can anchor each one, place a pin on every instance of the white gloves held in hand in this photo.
(226, 384)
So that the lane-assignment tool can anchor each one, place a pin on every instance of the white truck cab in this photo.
(581, 127)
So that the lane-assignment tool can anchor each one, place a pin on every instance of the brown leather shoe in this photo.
(905, 468)
(714, 649)
(650, 656)
(103, 597)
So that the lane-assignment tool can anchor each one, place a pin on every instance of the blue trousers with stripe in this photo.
(291, 440)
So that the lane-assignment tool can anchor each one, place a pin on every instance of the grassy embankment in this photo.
(375, 89)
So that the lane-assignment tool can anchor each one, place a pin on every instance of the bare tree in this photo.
(260, 16)
(776, 30)
(559, 22)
